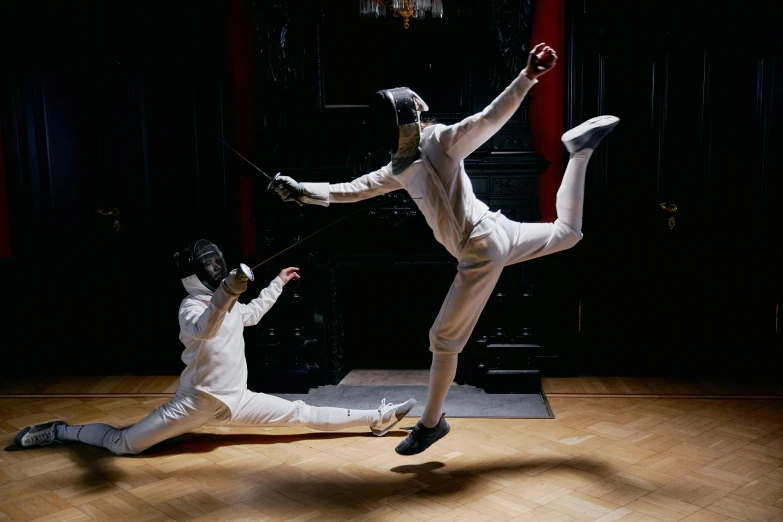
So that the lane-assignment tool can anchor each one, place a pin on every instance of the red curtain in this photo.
(243, 75)
(546, 109)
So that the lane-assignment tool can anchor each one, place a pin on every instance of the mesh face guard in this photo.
(396, 125)
(204, 260)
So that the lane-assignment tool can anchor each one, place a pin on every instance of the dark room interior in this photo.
(651, 348)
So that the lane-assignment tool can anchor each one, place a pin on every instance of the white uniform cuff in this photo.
(525, 83)
(277, 284)
(222, 299)
(316, 194)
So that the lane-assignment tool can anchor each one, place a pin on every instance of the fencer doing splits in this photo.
(427, 161)
(213, 387)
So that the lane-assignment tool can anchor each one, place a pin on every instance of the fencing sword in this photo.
(271, 179)
(318, 231)
(248, 271)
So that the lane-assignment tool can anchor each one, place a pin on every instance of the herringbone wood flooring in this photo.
(573, 386)
(608, 459)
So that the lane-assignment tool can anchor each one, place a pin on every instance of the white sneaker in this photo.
(38, 434)
(589, 134)
(391, 414)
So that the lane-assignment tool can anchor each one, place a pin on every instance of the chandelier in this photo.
(405, 9)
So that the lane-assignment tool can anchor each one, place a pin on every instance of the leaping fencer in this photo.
(213, 387)
(427, 161)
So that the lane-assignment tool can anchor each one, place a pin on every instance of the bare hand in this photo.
(288, 273)
(541, 60)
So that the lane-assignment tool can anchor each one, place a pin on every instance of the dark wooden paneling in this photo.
(696, 113)
(101, 111)
(384, 261)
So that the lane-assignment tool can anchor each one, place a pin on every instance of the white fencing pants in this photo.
(482, 260)
(259, 409)
(191, 409)
(480, 264)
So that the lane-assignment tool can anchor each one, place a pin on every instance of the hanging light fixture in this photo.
(405, 9)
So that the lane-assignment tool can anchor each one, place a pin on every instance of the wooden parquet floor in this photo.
(608, 459)
(166, 385)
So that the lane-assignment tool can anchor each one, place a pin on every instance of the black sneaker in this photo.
(421, 437)
(38, 434)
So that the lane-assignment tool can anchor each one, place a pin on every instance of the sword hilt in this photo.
(246, 272)
(272, 181)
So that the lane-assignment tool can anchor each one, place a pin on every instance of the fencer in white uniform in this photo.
(213, 387)
(428, 163)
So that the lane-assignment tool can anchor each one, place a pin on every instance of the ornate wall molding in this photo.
(512, 23)
(279, 46)
(321, 140)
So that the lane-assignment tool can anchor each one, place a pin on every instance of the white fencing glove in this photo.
(290, 190)
(235, 282)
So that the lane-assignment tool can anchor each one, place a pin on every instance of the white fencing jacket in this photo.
(214, 344)
(437, 181)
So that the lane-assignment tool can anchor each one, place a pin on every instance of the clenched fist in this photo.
(541, 60)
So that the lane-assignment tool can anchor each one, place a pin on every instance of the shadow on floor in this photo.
(208, 442)
(347, 490)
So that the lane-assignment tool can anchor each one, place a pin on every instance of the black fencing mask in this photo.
(203, 260)
(395, 125)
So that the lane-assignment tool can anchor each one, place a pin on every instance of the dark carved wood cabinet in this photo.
(377, 279)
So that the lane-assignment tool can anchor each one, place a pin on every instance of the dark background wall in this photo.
(106, 108)
(693, 284)
(101, 108)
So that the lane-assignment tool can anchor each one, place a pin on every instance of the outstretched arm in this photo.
(365, 187)
(258, 307)
(461, 139)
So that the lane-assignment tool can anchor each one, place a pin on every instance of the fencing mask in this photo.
(396, 126)
(204, 261)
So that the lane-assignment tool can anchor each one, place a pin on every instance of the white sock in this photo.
(442, 373)
(331, 419)
(571, 194)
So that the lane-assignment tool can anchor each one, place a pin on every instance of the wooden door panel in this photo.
(695, 119)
